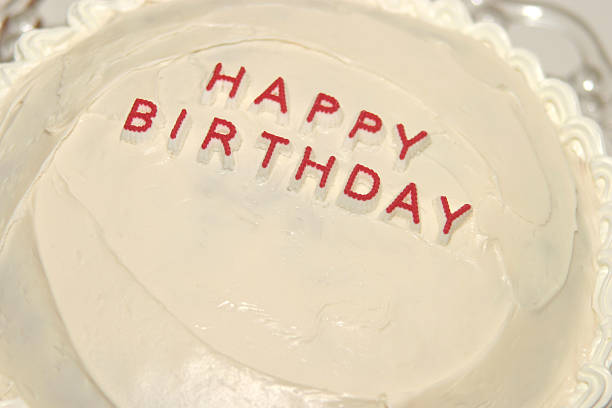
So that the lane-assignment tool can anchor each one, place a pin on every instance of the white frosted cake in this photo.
(297, 204)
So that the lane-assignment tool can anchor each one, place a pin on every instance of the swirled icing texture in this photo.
(133, 279)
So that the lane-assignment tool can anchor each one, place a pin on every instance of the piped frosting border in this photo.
(594, 388)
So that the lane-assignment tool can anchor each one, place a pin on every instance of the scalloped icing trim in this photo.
(594, 388)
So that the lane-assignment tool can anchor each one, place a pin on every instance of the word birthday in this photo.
(222, 138)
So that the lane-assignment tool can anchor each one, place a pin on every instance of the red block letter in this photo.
(310, 168)
(178, 124)
(360, 202)
(217, 76)
(270, 157)
(369, 123)
(274, 140)
(181, 128)
(452, 220)
(412, 207)
(275, 93)
(139, 123)
(409, 148)
(325, 111)
(348, 189)
(220, 141)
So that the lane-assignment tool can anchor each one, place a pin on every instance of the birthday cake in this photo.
(297, 204)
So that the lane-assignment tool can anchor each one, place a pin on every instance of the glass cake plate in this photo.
(565, 45)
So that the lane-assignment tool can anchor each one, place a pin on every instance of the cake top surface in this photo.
(297, 203)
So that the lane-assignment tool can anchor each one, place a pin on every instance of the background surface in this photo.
(597, 13)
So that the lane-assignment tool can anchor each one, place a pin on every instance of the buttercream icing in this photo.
(144, 270)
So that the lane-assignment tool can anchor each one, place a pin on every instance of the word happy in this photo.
(222, 138)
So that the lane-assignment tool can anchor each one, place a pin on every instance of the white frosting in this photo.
(154, 274)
